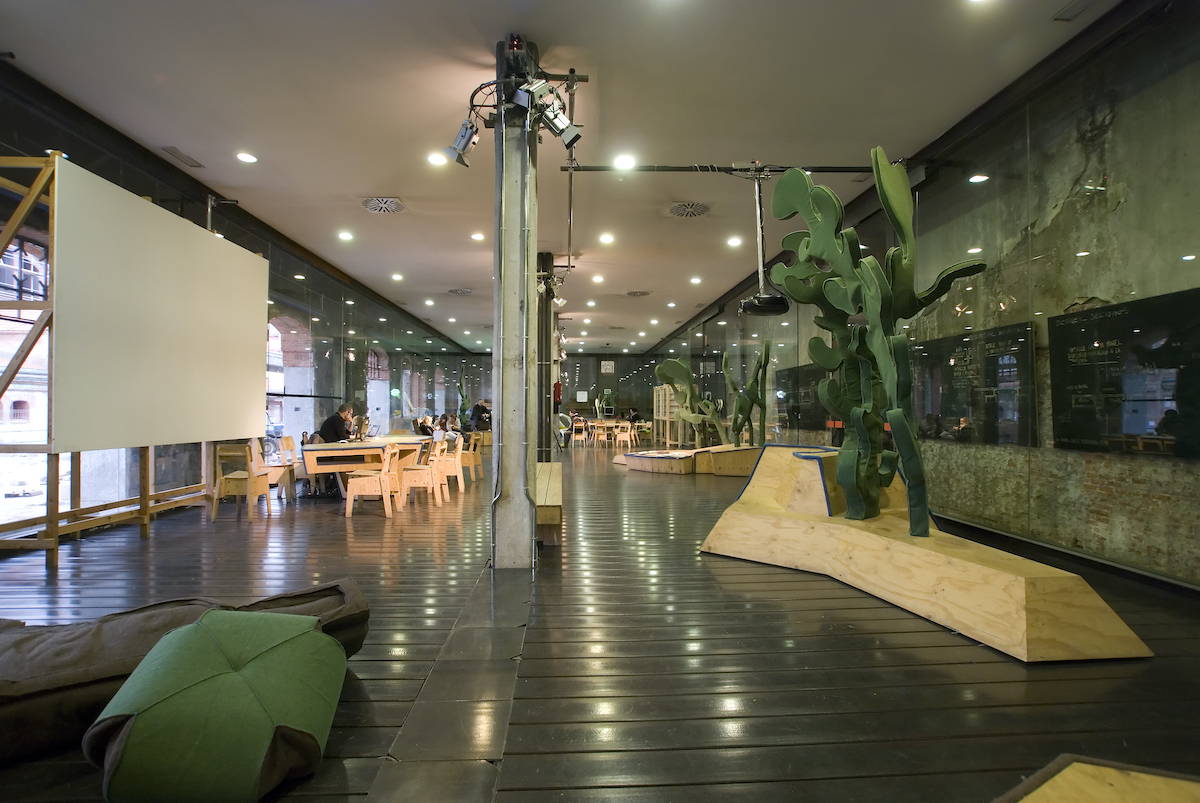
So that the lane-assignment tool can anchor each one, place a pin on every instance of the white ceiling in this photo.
(344, 99)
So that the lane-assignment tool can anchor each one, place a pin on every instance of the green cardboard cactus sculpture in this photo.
(860, 303)
(698, 412)
(746, 399)
(464, 404)
(605, 399)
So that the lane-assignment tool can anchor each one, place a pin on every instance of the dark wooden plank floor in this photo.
(648, 671)
(651, 672)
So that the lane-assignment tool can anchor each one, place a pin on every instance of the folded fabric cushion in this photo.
(220, 710)
(55, 679)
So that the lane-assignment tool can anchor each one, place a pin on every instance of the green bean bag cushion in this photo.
(220, 710)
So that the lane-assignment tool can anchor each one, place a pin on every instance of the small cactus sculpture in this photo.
(464, 404)
(744, 400)
(696, 411)
(860, 302)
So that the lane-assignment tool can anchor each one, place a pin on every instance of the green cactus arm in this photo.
(913, 471)
(833, 399)
(895, 196)
(947, 277)
(822, 355)
(887, 467)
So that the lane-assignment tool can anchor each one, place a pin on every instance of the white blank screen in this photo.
(158, 324)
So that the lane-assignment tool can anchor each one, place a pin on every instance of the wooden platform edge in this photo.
(1023, 608)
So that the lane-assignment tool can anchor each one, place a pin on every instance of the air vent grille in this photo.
(638, 293)
(460, 291)
(689, 209)
(382, 206)
(616, 328)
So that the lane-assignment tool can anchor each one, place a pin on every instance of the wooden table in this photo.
(341, 458)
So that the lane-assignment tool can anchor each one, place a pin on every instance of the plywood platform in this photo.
(548, 498)
(1080, 779)
(662, 462)
(790, 514)
(732, 461)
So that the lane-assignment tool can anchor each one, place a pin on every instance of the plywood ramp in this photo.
(1081, 779)
(681, 462)
(727, 460)
(790, 515)
(548, 499)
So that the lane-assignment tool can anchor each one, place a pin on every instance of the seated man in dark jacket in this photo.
(337, 426)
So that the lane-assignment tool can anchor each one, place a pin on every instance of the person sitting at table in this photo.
(425, 426)
(337, 426)
(634, 416)
(452, 424)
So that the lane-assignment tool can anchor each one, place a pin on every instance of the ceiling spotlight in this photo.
(531, 93)
(464, 143)
(437, 158)
(316, 319)
(720, 323)
(587, 320)
(670, 303)
(978, 178)
(559, 301)
(695, 280)
(452, 320)
(624, 162)
(606, 238)
(429, 302)
(383, 320)
(584, 332)
(477, 236)
(1189, 257)
(478, 342)
(345, 235)
(734, 241)
(653, 320)
(974, 250)
(557, 121)
(591, 303)
(299, 276)
(597, 279)
(248, 158)
(396, 277)
(1083, 253)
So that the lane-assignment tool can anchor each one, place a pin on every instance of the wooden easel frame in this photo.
(40, 193)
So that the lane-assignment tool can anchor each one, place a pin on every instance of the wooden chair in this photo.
(579, 432)
(281, 475)
(291, 456)
(424, 474)
(471, 458)
(454, 464)
(624, 434)
(374, 482)
(600, 433)
(247, 481)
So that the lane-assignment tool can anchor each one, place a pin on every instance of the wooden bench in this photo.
(548, 498)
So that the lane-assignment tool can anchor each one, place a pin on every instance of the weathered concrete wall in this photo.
(1105, 162)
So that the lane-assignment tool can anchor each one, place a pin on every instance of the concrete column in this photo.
(514, 350)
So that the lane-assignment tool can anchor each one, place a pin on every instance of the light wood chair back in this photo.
(624, 434)
(579, 432)
(424, 475)
(454, 463)
(372, 481)
(471, 457)
(240, 475)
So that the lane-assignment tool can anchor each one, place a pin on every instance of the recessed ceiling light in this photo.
(429, 341)
(641, 334)
(633, 342)
(429, 302)
(1039, 313)
(351, 332)
(670, 303)
(219, 235)
(734, 241)
(396, 277)
(974, 250)
(345, 235)
(591, 303)
(695, 280)
(248, 158)
(443, 348)
(477, 236)
(293, 331)
(624, 162)
(670, 351)
(978, 178)
(753, 335)
(580, 349)
(487, 349)
(350, 302)
(653, 320)
(583, 333)
(606, 238)
(478, 342)
(783, 323)
(316, 319)
(720, 323)
(1083, 253)
(451, 320)
(466, 331)
(587, 320)
(298, 276)
(597, 279)
(374, 341)
(699, 334)
(624, 351)
(436, 158)
(1189, 257)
